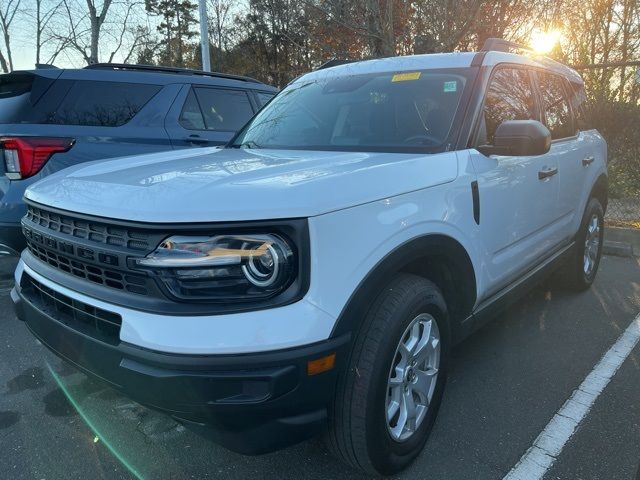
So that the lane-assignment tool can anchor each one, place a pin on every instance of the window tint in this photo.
(509, 97)
(226, 110)
(107, 104)
(264, 97)
(191, 116)
(557, 113)
(29, 98)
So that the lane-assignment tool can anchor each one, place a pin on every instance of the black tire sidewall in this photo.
(386, 454)
(593, 207)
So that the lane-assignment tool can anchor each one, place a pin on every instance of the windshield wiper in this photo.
(249, 144)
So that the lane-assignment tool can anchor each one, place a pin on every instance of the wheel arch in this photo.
(600, 190)
(437, 257)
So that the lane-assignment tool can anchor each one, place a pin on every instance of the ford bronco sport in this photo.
(314, 275)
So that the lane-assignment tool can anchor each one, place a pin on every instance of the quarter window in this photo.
(557, 114)
(509, 97)
(105, 104)
(224, 110)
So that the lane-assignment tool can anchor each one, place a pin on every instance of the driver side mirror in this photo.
(519, 138)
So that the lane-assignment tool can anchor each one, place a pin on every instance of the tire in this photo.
(359, 431)
(589, 240)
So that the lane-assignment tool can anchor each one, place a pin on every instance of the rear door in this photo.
(517, 194)
(207, 116)
(571, 148)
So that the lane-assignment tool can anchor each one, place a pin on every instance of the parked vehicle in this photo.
(51, 119)
(315, 274)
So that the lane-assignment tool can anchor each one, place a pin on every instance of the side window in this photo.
(264, 97)
(578, 100)
(557, 114)
(509, 97)
(105, 104)
(225, 110)
(191, 116)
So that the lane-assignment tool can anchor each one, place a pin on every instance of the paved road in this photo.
(506, 383)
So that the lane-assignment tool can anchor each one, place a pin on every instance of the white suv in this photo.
(315, 273)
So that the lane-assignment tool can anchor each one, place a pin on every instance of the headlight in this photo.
(223, 267)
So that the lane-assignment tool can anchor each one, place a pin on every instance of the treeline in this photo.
(277, 40)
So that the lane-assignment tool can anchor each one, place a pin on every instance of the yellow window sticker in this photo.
(403, 77)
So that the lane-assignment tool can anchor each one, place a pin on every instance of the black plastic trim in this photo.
(489, 308)
(475, 196)
(257, 402)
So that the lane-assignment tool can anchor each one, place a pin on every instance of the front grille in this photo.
(95, 322)
(90, 230)
(93, 273)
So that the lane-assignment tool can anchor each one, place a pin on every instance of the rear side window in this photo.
(223, 110)
(29, 98)
(105, 104)
(578, 101)
(191, 115)
(264, 97)
(509, 97)
(557, 114)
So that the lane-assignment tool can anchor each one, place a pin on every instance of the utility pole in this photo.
(204, 35)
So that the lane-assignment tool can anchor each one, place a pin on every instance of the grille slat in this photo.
(96, 322)
(99, 233)
(101, 276)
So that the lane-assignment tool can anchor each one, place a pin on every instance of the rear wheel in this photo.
(387, 400)
(582, 268)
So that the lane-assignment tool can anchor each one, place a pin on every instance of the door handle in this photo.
(546, 173)
(586, 161)
(196, 140)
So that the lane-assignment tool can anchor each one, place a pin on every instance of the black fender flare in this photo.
(421, 255)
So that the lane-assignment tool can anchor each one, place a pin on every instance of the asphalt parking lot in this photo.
(506, 384)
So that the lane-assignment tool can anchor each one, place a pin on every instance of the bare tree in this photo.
(87, 27)
(8, 10)
(44, 13)
(220, 16)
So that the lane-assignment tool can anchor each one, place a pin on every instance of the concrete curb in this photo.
(619, 249)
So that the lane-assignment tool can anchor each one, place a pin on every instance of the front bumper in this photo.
(255, 402)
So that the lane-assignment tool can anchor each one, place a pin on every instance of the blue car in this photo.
(53, 118)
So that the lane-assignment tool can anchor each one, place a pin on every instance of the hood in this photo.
(215, 185)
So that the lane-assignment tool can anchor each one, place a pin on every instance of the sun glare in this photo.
(544, 42)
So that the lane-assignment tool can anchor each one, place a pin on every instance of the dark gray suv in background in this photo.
(52, 118)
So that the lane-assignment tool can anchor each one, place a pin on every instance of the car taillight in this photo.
(24, 156)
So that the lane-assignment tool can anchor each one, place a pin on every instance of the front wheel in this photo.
(387, 400)
(582, 268)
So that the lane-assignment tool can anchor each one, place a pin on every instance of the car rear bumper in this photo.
(255, 403)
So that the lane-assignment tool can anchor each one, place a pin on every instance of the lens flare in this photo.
(545, 41)
(97, 435)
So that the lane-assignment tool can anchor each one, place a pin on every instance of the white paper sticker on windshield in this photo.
(450, 86)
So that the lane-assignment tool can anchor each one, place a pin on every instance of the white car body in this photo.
(498, 218)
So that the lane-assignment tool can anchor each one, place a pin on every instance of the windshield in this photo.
(397, 112)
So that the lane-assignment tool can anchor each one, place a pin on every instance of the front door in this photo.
(518, 195)
(205, 116)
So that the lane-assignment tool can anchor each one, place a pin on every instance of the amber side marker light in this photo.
(320, 365)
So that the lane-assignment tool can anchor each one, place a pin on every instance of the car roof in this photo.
(152, 76)
(440, 60)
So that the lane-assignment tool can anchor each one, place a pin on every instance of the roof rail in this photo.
(161, 69)
(334, 63)
(501, 45)
(46, 66)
